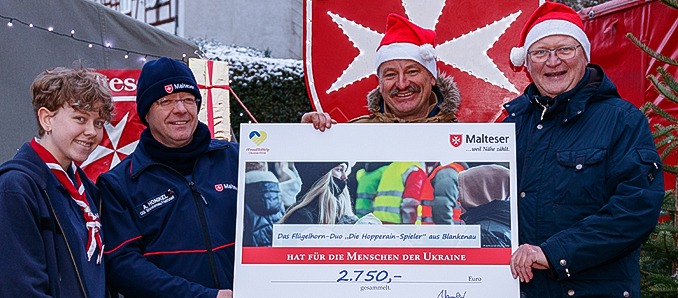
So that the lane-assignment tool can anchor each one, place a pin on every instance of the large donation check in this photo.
(376, 210)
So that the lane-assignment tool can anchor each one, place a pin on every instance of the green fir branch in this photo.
(661, 112)
(661, 142)
(667, 240)
(661, 88)
(671, 169)
(661, 277)
(670, 3)
(663, 283)
(651, 52)
(668, 208)
(664, 288)
(668, 150)
(668, 228)
(661, 130)
(644, 258)
(665, 141)
(664, 230)
(659, 254)
(669, 202)
(669, 80)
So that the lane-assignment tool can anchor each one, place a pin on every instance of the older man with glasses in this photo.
(169, 207)
(590, 181)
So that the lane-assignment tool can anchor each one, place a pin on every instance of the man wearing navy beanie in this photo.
(169, 207)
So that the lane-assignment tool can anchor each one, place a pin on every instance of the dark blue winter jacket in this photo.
(44, 238)
(590, 186)
(168, 236)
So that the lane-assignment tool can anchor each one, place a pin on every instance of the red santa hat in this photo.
(550, 19)
(405, 40)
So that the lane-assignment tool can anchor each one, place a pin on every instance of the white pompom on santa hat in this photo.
(550, 19)
(407, 41)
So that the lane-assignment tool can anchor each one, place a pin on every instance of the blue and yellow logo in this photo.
(258, 137)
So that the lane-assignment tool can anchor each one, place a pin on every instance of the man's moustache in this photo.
(412, 88)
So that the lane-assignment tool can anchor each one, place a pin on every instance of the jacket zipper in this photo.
(197, 197)
(77, 272)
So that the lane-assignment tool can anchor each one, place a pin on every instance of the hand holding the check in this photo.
(524, 259)
(321, 121)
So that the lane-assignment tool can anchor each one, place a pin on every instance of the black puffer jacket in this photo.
(263, 208)
(494, 219)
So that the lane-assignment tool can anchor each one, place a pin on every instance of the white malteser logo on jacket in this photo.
(221, 187)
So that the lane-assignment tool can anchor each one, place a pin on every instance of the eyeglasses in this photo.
(564, 53)
(189, 102)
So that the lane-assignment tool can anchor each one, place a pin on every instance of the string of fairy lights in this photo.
(11, 21)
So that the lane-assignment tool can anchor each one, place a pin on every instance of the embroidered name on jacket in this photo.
(155, 203)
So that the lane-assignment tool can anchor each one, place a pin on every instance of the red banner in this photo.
(121, 135)
(377, 255)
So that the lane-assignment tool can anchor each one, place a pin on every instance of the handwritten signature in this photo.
(443, 294)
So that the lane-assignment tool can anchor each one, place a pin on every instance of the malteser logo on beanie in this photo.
(183, 86)
(161, 77)
(170, 88)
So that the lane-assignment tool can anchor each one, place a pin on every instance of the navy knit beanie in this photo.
(161, 77)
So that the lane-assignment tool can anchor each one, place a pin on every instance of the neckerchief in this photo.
(78, 195)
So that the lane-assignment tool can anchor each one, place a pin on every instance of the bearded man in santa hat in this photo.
(590, 180)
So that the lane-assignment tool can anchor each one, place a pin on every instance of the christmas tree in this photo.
(659, 254)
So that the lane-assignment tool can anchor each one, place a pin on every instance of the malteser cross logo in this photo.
(456, 140)
(169, 88)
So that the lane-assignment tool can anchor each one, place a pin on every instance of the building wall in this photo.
(276, 25)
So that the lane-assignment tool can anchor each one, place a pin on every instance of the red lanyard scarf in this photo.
(78, 195)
